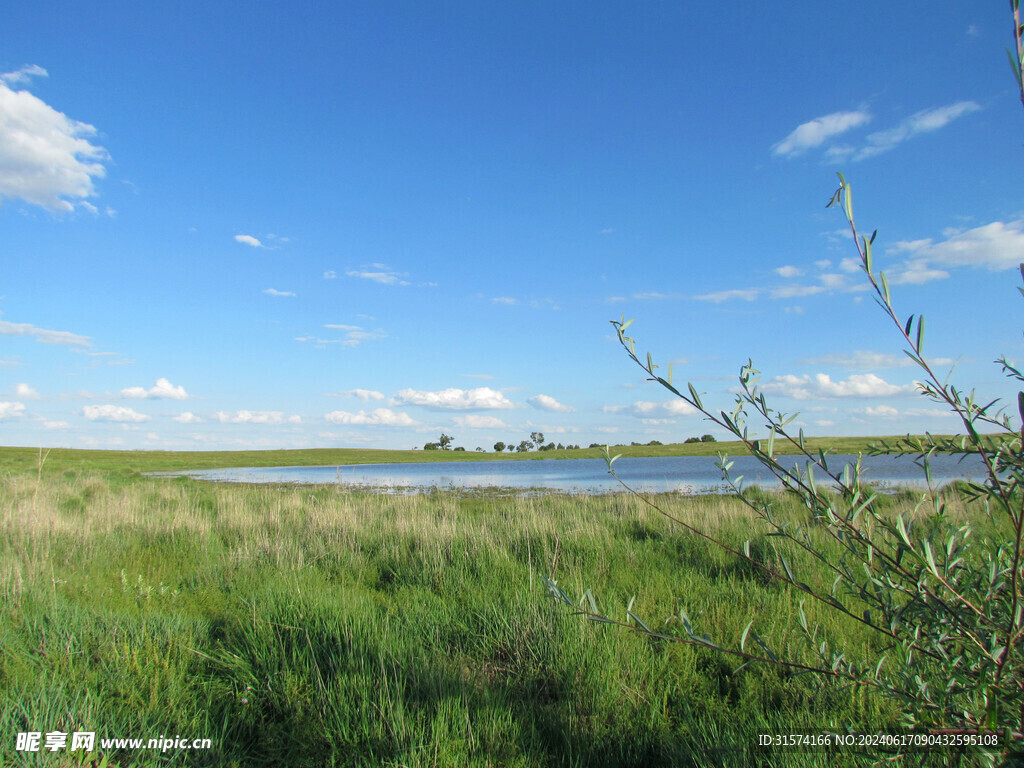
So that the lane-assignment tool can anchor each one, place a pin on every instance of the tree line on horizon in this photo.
(536, 441)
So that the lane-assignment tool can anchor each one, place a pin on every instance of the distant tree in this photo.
(561, 447)
(655, 442)
(499, 447)
(524, 446)
(459, 448)
(510, 446)
(478, 449)
(595, 445)
(444, 441)
(708, 439)
(432, 447)
(692, 440)
(537, 438)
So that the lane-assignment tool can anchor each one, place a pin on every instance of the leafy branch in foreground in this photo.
(941, 594)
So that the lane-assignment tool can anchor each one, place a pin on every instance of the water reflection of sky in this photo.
(682, 474)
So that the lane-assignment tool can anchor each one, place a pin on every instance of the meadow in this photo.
(317, 626)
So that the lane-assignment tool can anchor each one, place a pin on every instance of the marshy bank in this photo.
(311, 626)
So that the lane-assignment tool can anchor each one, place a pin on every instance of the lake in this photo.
(681, 474)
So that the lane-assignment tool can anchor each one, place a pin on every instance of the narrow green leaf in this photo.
(885, 289)
(909, 325)
(669, 377)
(930, 557)
(743, 637)
(920, 334)
(867, 254)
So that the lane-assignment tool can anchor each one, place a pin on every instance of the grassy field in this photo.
(60, 459)
(303, 626)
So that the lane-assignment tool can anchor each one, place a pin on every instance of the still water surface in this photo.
(682, 474)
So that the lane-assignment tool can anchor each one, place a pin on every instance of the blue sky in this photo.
(228, 225)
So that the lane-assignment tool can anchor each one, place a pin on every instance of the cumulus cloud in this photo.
(249, 240)
(26, 392)
(481, 398)
(995, 246)
(383, 417)
(187, 418)
(46, 158)
(925, 121)
(789, 271)
(477, 421)
(815, 132)
(112, 413)
(11, 409)
(882, 411)
(275, 292)
(162, 389)
(548, 403)
(43, 335)
(255, 417)
(821, 386)
(363, 394)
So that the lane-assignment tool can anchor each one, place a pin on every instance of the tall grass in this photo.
(313, 626)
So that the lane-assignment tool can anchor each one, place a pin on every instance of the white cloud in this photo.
(354, 335)
(789, 291)
(9, 409)
(851, 265)
(476, 421)
(55, 424)
(506, 300)
(481, 398)
(815, 132)
(22, 75)
(330, 274)
(275, 292)
(254, 417)
(45, 156)
(746, 294)
(112, 413)
(187, 418)
(862, 359)
(363, 394)
(655, 412)
(162, 389)
(379, 273)
(25, 392)
(821, 385)
(249, 240)
(925, 121)
(44, 336)
(384, 417)
(789, 271)
(882, 411)
(548, 403)
(995, 246)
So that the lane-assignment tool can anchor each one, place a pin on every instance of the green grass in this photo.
(303, 626)
(59, 459)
